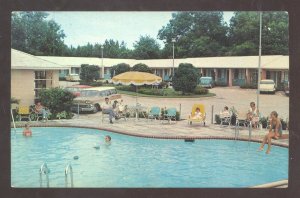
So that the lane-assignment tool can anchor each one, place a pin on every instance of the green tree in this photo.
(119, 68)
(57, 100)
(185, 78)
(32, 33)
(146, 48)
(195, 33)
(140, 67)
(89, 73)
(244, 33)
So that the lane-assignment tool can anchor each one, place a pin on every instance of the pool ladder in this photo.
(237, 130)
(44, 170)
(69, 171)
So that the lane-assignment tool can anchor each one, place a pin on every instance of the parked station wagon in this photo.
(267, 86)
(90, 99)
(207, 82)
(75, 89)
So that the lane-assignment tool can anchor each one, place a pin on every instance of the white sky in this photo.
(95, 27)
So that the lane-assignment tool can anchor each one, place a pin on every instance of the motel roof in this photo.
(234, 62)
(22, 60)
(78, 61)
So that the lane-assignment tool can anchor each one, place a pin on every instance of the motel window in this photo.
(42, 79)
(286, 76)
(223, 73)
(268, 75)
(241, 74)
(75, 70)
(219, 73)
(236, 74)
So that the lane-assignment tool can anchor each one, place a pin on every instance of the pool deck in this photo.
(156, 129)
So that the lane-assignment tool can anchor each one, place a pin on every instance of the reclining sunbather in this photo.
(198, 114)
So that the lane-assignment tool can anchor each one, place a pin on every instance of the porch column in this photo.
(216, 74)
(247, 76)
(263, 74)
(230, 78)
(201, 71)
(163, 74)
(282, 76)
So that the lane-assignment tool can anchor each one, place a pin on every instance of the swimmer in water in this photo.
(27, 131)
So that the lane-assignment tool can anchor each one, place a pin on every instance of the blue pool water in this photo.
(141, 162)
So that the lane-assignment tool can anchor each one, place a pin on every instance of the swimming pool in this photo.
(141, 162)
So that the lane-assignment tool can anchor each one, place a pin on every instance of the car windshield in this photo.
(266, 82)
(205, 80)
(89, 93)
(71, 89)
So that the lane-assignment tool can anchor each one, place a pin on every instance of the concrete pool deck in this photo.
(156, 129)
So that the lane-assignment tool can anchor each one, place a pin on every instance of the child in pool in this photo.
(107, 139)
(107, 142)
(27, 131)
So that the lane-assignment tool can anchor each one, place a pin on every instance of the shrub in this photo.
(14, 101)
(119, 68)
(57, 100)
(141, 68)
(221, 84)
(147, 91)
(217, 119)
(280, 87)
(96, 84)
(126, 88)
(249, 86)
(89, 73)
(163, 85)
(185, 78)
(264, 121)
(199, 90)
(284, 124)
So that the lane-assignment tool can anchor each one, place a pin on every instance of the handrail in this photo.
(69, 169)
(12, 116)
(44, 170)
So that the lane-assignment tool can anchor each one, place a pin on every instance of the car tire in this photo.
(96, 108)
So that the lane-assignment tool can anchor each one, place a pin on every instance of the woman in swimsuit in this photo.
(253, 115)
(274, 132)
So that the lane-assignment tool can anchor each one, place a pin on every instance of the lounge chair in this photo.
(241, 118)
(24, 112)
(225, 119)
(170, 114)
(154, 113)
(192, 118)
(120, 112)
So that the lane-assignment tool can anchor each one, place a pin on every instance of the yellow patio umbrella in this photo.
(136, 78)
